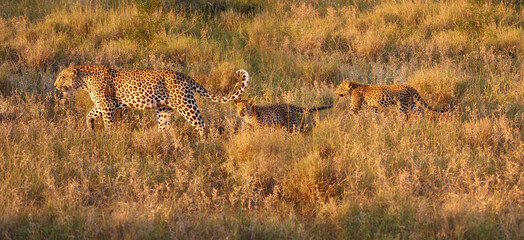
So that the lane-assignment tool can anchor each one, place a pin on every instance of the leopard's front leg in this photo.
(107, 108)
(356, 102)
(92, 116)
(108, 115)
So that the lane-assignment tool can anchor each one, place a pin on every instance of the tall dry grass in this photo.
(454, 175)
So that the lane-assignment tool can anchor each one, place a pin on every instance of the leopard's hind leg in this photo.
(188, 108)
(419, 109)
(403, 109)
(293, 125)
(416, 107)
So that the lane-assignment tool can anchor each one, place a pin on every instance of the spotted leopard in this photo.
(162, 90)
(381, 96)
(280, 114)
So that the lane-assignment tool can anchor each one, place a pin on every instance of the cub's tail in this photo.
(427, 106)
(245, 80)
(318, 108)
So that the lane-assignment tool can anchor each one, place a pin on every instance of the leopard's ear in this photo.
(75, 71)
(250, 102)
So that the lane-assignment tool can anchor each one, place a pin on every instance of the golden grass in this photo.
(454, 175)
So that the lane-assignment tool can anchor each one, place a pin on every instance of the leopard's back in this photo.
(280, 114)
(380, 96)
(146, 89)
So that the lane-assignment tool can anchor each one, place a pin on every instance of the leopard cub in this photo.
(280, 114)
(382, 96)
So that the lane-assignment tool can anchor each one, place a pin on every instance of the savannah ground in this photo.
(457, 175)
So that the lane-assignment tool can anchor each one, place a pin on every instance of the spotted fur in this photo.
(162, 90)
(280, 114)
(381, 96)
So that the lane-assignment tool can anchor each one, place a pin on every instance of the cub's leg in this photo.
(419, 109)
(375, 112)
(403, 109)
(356, 102)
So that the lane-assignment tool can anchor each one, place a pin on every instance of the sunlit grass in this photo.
(452, 175)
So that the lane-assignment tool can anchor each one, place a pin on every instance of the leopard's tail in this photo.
(417, 97)
(245, 80)
(318, 108)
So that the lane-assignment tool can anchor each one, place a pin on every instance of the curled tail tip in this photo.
(245, 80)
(241, 72)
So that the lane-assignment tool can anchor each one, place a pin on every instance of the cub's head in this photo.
(245, 108)
(68, 80)
(346, 87)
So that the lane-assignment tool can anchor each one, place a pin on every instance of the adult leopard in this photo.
(381, 96)
(162, 90)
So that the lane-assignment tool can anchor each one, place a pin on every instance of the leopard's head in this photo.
(346, 87)
(245, 108)
(69, 80)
